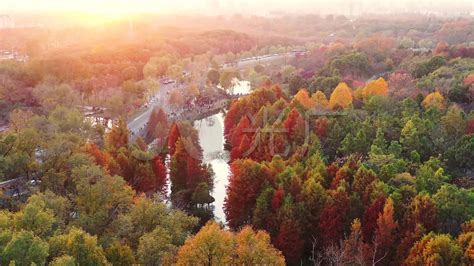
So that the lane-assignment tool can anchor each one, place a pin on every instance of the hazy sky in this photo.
(117, 7)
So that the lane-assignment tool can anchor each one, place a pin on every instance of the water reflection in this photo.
(241, 87)
(211, 137)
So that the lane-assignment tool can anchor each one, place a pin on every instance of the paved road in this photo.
(260, 59)
(138, 125)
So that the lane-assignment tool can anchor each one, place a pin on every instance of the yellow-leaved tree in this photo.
(254, 248)
(215, 246)
(376, 87)
(434, 99)
(320, 100)
(436, 249)
(341, 97)
(210, 246)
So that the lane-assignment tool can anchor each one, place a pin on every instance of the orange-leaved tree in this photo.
(385, 234)
(303, 98)
(376, 87)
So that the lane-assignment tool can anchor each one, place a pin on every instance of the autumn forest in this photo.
(285, 139)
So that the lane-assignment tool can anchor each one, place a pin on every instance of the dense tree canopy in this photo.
(354, 148)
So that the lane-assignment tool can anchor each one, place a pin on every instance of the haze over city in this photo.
(226, 7)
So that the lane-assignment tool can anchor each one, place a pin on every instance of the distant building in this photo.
(12, 55)
(6, 55)
(421, 50)
(6, 21)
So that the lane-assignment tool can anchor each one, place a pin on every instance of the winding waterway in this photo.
(211, 137)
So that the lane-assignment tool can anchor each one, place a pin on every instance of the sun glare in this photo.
(102, 13)
(90, 11)
(109, 13)
(99, 16)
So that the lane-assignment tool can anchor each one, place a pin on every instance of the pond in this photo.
(211, 137)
